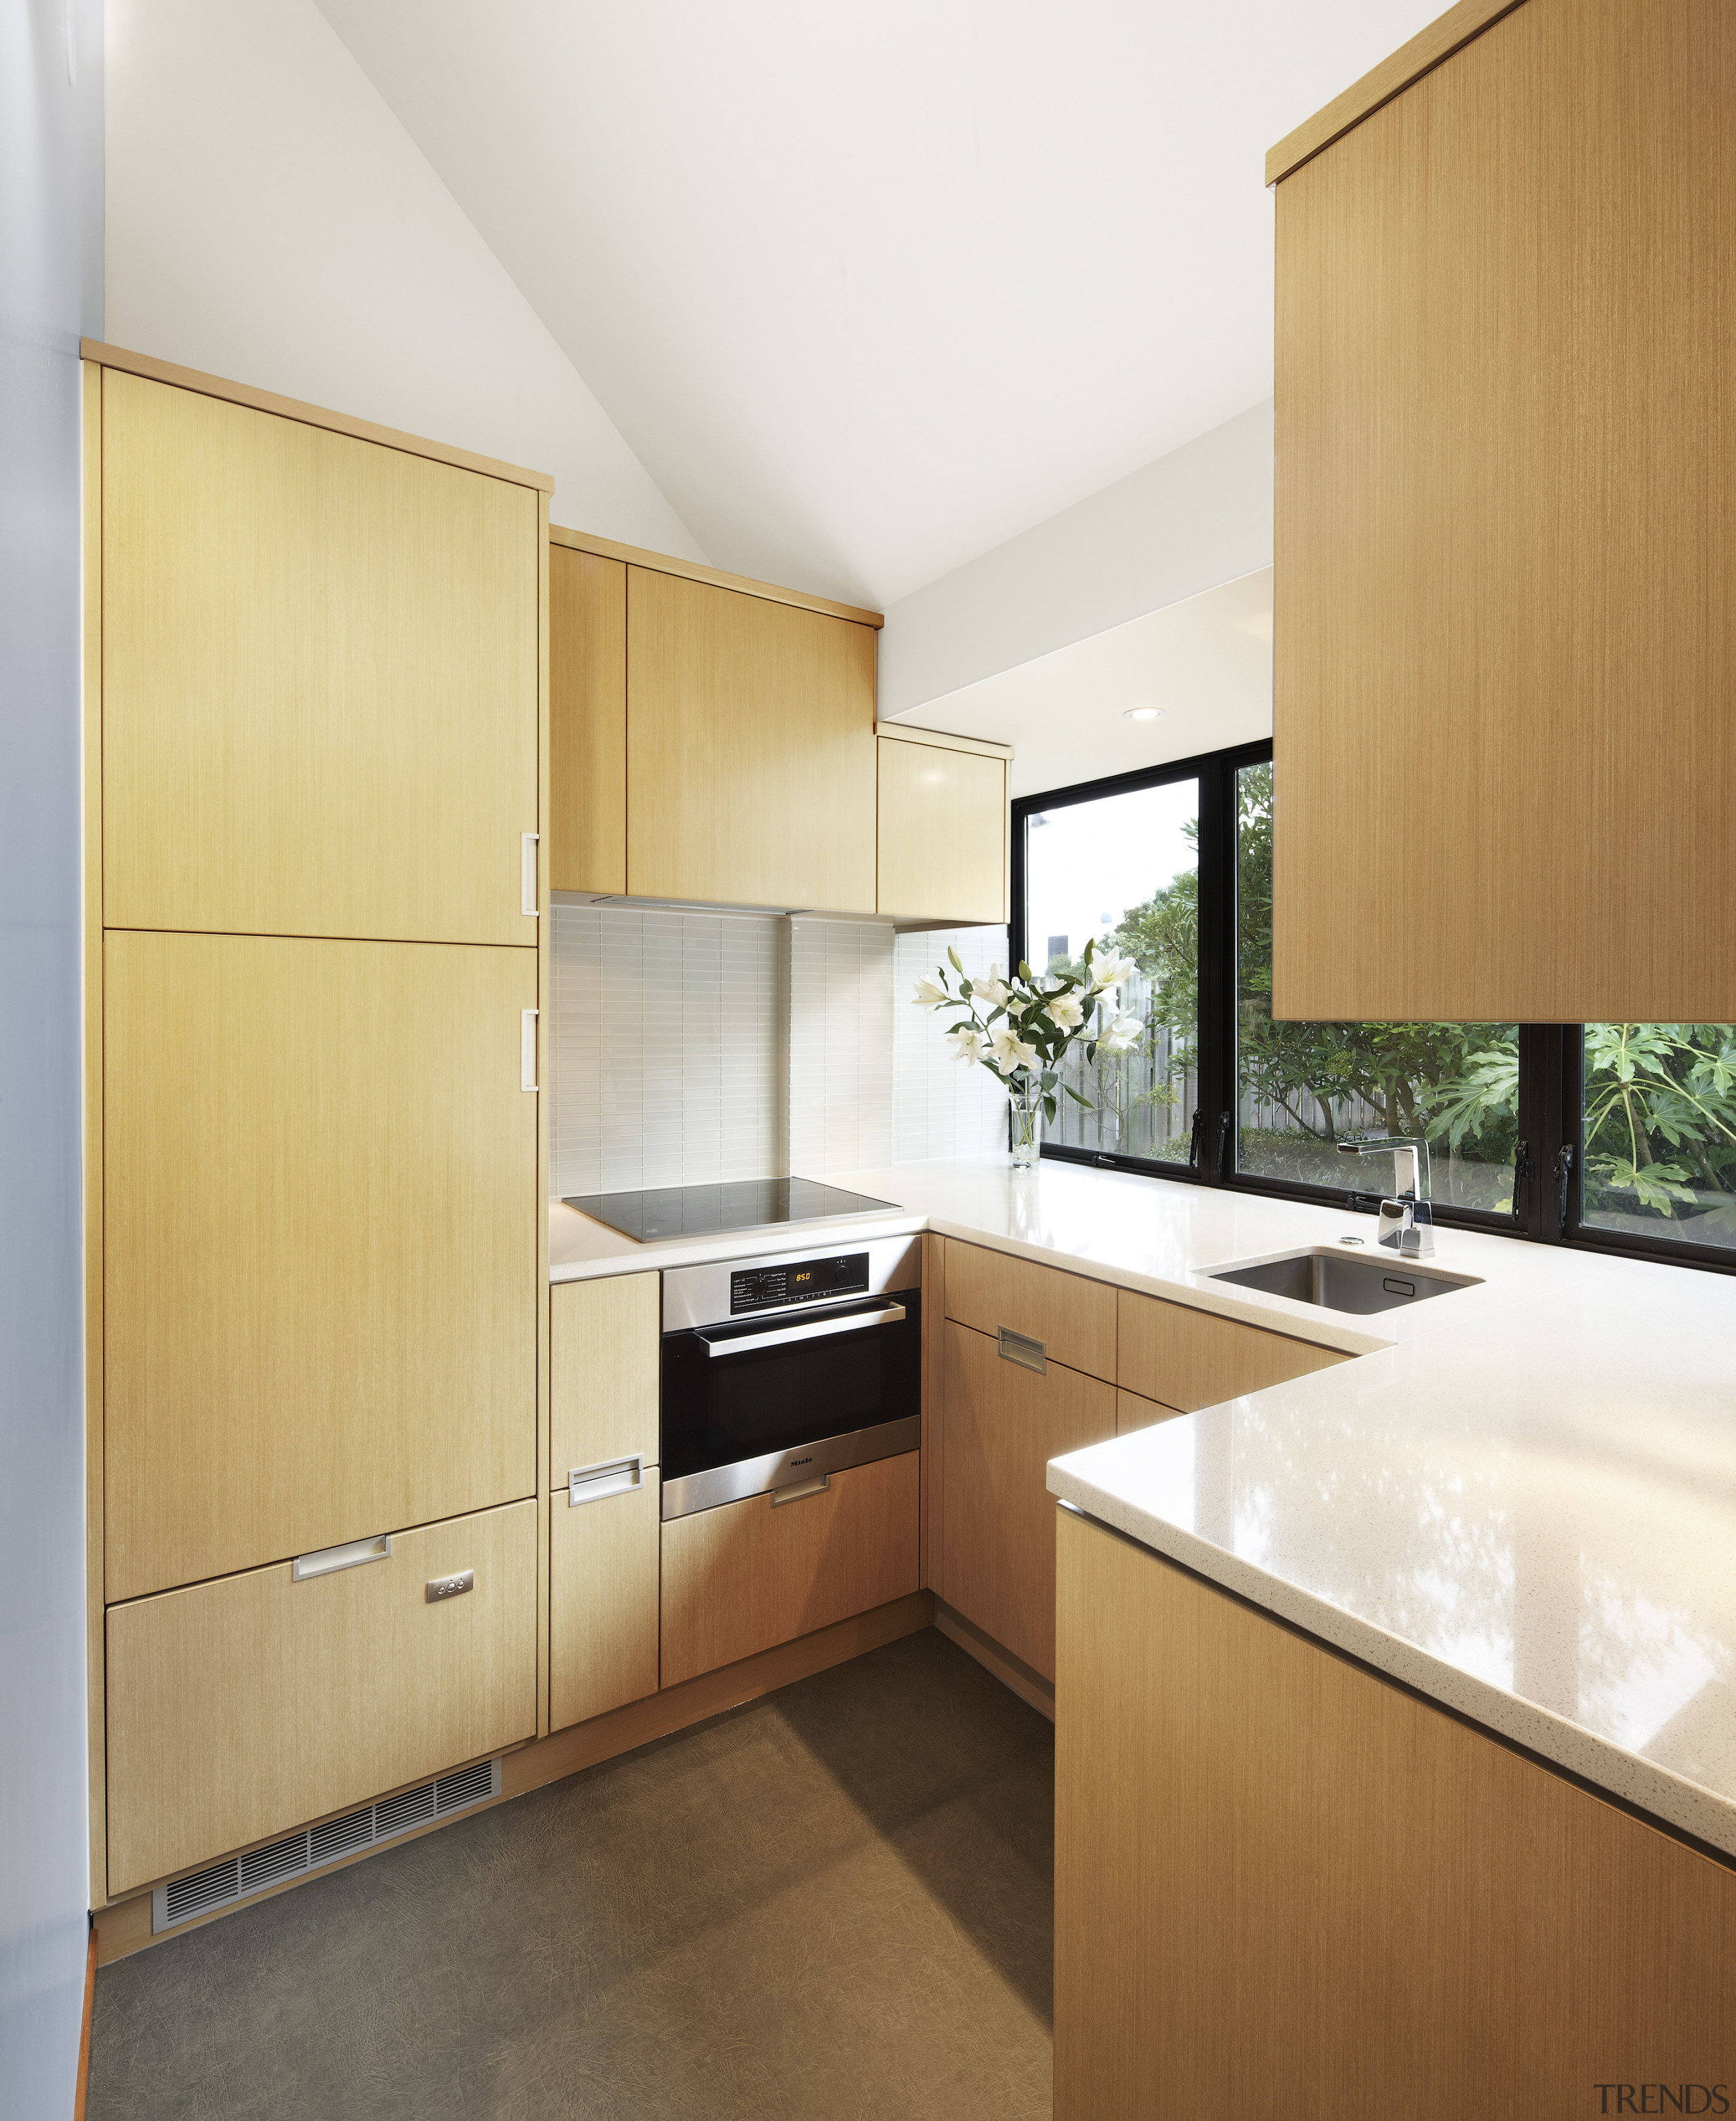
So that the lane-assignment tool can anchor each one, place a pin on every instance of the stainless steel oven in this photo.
(778, 1373)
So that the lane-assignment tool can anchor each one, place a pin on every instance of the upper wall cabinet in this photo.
(1505, 646)
(750, 748)
(709, 738)
(319, 708)
(588, 721)
(942, 834)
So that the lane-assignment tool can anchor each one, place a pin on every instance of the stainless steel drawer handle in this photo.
(817, 1329)
(1021, 1349)
(450, 1586)
(528, 873)
(817, 1486)
(350, 1556)
(618, 1476)
(527, 1049)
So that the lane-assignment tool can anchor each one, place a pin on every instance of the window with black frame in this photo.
(1121, 871)
(1620, 1136)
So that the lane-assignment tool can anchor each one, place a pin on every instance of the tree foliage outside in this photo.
(1660, 1099)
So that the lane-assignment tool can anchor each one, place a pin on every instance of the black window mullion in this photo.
(1215, 1132)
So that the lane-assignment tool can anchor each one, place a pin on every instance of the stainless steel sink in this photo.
(1346, 1280)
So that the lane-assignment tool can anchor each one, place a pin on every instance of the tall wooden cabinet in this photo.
(1506, 615)
(314, 1213)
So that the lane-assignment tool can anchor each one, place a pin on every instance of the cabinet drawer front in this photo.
(1073, 1318)
(238, 1709)
(603, 1564)
(1189, 1359)
(321, 1202)
(1002, 1425)
(605, 1338)
(320, 679)
(942, 832)
(741, 1577)
(1131, 1412)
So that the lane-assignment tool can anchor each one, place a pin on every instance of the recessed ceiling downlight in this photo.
(1145, 713)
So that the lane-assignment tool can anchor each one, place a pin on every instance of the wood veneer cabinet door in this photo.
(240, 1709)
(320, 679)
(1002, 1425)
(942, 832)
(1310, 1893)
(1188, 1358)
(587, 721)
(1073, 1316)
(605, 1344)
(603, 1574)
(320, 1245)
(745, 1576)
(1506, 641)
(751, 749)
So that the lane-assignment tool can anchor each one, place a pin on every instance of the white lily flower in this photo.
(992, 990)
(1114, 973)
(1010, 1049)
(1065, 1011)
(1122, 1034)
(931, 995)
(964, 1047)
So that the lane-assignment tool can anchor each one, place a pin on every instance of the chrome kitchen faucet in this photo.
(1407, 1219)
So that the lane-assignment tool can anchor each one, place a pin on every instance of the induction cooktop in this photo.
(742, 1204)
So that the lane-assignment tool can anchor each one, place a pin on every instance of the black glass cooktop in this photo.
(744, 1204)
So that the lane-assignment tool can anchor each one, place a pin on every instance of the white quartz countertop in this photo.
(1521, 1501)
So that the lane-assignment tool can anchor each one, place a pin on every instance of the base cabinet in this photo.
(746, 1576)
(242, 1708)
(603, 1568)
(1001, 1426)
(1284, 1885)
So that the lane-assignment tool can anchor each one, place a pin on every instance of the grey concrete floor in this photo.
(835, 1901)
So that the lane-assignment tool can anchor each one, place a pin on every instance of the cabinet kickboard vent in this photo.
(236, 1877)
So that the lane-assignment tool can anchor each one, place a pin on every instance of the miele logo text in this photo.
(808, 1461)
(1663, 2097)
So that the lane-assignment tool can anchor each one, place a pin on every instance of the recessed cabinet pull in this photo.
(817, 1486)
(615, 1476)
(350, 1556)
(1021, 1349)
(527, 1049)
(527, 873)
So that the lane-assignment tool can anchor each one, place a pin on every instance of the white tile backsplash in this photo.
(692, 1047)
(840, 1040)
(941, 1107)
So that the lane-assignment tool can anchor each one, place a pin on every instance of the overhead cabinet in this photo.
(320, 679)
(1505, 619)
(944, 828)
(714, 740)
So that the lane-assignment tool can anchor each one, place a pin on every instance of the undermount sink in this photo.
(1344, 1280)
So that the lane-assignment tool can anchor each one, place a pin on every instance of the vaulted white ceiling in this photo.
(870, 290)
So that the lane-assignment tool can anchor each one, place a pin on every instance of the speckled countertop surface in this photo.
(1520, 1501)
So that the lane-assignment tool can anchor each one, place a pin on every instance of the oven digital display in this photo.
(798, 1281)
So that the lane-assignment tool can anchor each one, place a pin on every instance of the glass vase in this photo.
(1025, 1099)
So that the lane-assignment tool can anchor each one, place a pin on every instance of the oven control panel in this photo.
(798, 1281)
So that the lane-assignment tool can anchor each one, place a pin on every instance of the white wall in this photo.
(1197, 517)
(50, 291)
(270, 220)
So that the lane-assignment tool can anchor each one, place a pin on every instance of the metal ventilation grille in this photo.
(238, 1875)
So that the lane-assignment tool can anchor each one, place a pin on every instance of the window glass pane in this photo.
(1124, 871)
(1660, 1130)
(1303, 1086)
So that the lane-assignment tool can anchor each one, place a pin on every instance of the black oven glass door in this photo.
(765, 1385)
